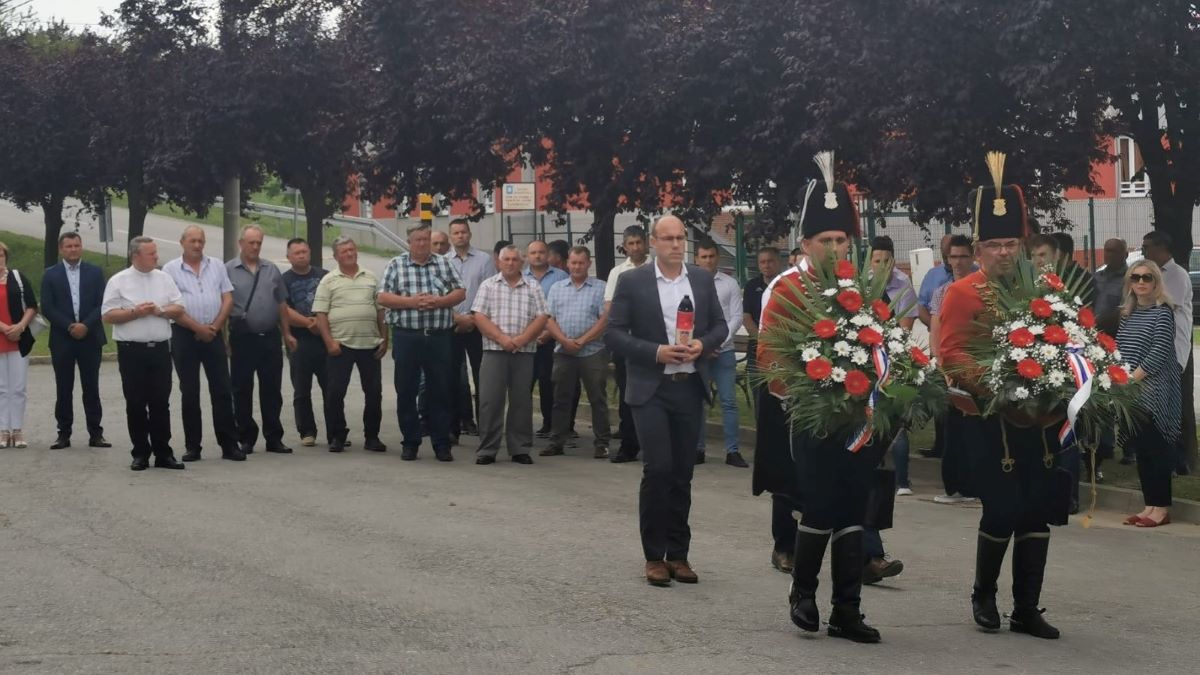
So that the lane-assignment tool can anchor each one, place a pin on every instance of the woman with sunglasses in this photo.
(1146, 339)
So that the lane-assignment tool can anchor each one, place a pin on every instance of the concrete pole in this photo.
(232, 208)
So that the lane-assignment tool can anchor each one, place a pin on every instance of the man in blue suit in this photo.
(72, 292)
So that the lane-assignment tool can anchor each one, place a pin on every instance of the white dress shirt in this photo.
(670, 293)
(73, 283)
(1179, 287)
(610, 286)
(129, 288)
(730, 296)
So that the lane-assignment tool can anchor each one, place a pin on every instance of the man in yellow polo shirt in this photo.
(351, 324)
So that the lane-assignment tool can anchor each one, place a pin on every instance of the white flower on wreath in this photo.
(896, 334)
(860, 356)
(1017, 324)
(1094, 353)
(842, 348)
(852, 335)
(1047, 351)
(920, 378)
(829, 292)
(896, 347)
(809, 354)
(1052, 298)
(1019, 354)
(1037, 329)
(861, 320)
(1058, 306)
(838, 374)
(1104, 381)
(1079, 301)
(1057, 378)
(1020, 394)
(845, 283)
(1117, 355)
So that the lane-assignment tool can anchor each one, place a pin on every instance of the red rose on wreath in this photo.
(1107, 342)
(857, 383)
(1118, 375)
(1040, 308)
(1021, 337)
(1055, 335)
(1029, 369)
(844, 269)
(818, 369)
(919, 356)
(881, 310)
(850, 301)
(825, 329)
(1054, 282)
(870, 337)
(1087, 318)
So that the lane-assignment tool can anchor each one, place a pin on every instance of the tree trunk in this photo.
(135, 191)
(52, 209)
(315, 213)
(604, 217)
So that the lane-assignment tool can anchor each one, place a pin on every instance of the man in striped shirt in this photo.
(196, 341)
(351, 324)
(420, 291)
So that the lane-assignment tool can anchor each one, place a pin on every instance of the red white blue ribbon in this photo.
(1082, 370)
(882, 363)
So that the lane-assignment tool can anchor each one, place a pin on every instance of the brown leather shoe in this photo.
(657, 573)
(682, 572)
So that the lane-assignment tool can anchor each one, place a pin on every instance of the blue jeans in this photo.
(900, 459)
(723, 369)
(872, 544)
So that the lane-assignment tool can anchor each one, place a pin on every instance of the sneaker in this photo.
(955, 498)
(600, 453)
(904, 492)
(736, 459)
(308, 441)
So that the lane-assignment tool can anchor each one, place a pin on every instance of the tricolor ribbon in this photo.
(882, 363)
(1082, 370)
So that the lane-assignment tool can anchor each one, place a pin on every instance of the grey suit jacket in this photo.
(636, 328)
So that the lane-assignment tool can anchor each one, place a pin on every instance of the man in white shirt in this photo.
(723, 366)
(141, 302)
(634, 244)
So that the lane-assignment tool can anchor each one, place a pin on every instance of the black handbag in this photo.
(881, 500)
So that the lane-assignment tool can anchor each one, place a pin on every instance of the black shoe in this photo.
(140, 464)
(1028, 620)
(542, 433)
(168, 462)
(63, 441)
(1029, 568)
(193, 455)
(700, 459)
(246, 448)
(408, 454)
(622, 456)
(231, 453)
(984, 611)
(374, 445)
(806, 567)
(469, 430)
(989, 556)
(98, 442)
(337, 444)
(522, 459)
(443, 455)
(929, 453)
(736, 459)
(279, 448)
(485, 459)
(846, 622)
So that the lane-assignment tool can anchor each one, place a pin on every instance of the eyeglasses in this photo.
(997, 246)
(1147, 278)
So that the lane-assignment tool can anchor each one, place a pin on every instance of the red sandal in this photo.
(1146, 522)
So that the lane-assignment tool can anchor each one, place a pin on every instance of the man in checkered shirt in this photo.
(510, 312)
(420, 290)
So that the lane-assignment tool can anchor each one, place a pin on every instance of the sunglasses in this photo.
(1148, 278)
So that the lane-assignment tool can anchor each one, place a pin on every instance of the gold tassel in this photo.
(995, 164)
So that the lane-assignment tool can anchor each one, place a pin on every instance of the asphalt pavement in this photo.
(363, 563)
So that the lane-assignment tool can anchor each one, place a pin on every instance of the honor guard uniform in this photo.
(835, 483)
(1011, 458)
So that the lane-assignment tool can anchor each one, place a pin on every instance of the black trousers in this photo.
(835, 482)
(416, 352)
(189, 355)
(464, 348)
(1156, 461)
(954, 453)
(304, 364)
(783, 522)
(146, 383)
(65, 355)
(258, 354)
(370, 375)
(628, 430)
(668, 427)
(1014, 502)
(543, 379)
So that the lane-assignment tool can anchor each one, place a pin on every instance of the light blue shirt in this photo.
(935, 278)
(576, 308)
(201, 292)
(73, 282)
(553, 276)
(472, 270)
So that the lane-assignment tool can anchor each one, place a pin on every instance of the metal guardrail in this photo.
(347, 222)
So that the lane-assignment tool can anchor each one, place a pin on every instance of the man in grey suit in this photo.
(664, 389)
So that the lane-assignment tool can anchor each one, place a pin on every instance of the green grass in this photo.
(25, 255)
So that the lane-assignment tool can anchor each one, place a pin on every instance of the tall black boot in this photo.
(846, 566)
(1029, 568)
(810, 551)
(989, 556)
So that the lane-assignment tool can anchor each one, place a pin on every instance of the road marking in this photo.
(165, 241)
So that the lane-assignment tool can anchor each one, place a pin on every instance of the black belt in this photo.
(143, 345)
(271, 333)
(677, 377)
(423, 331)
